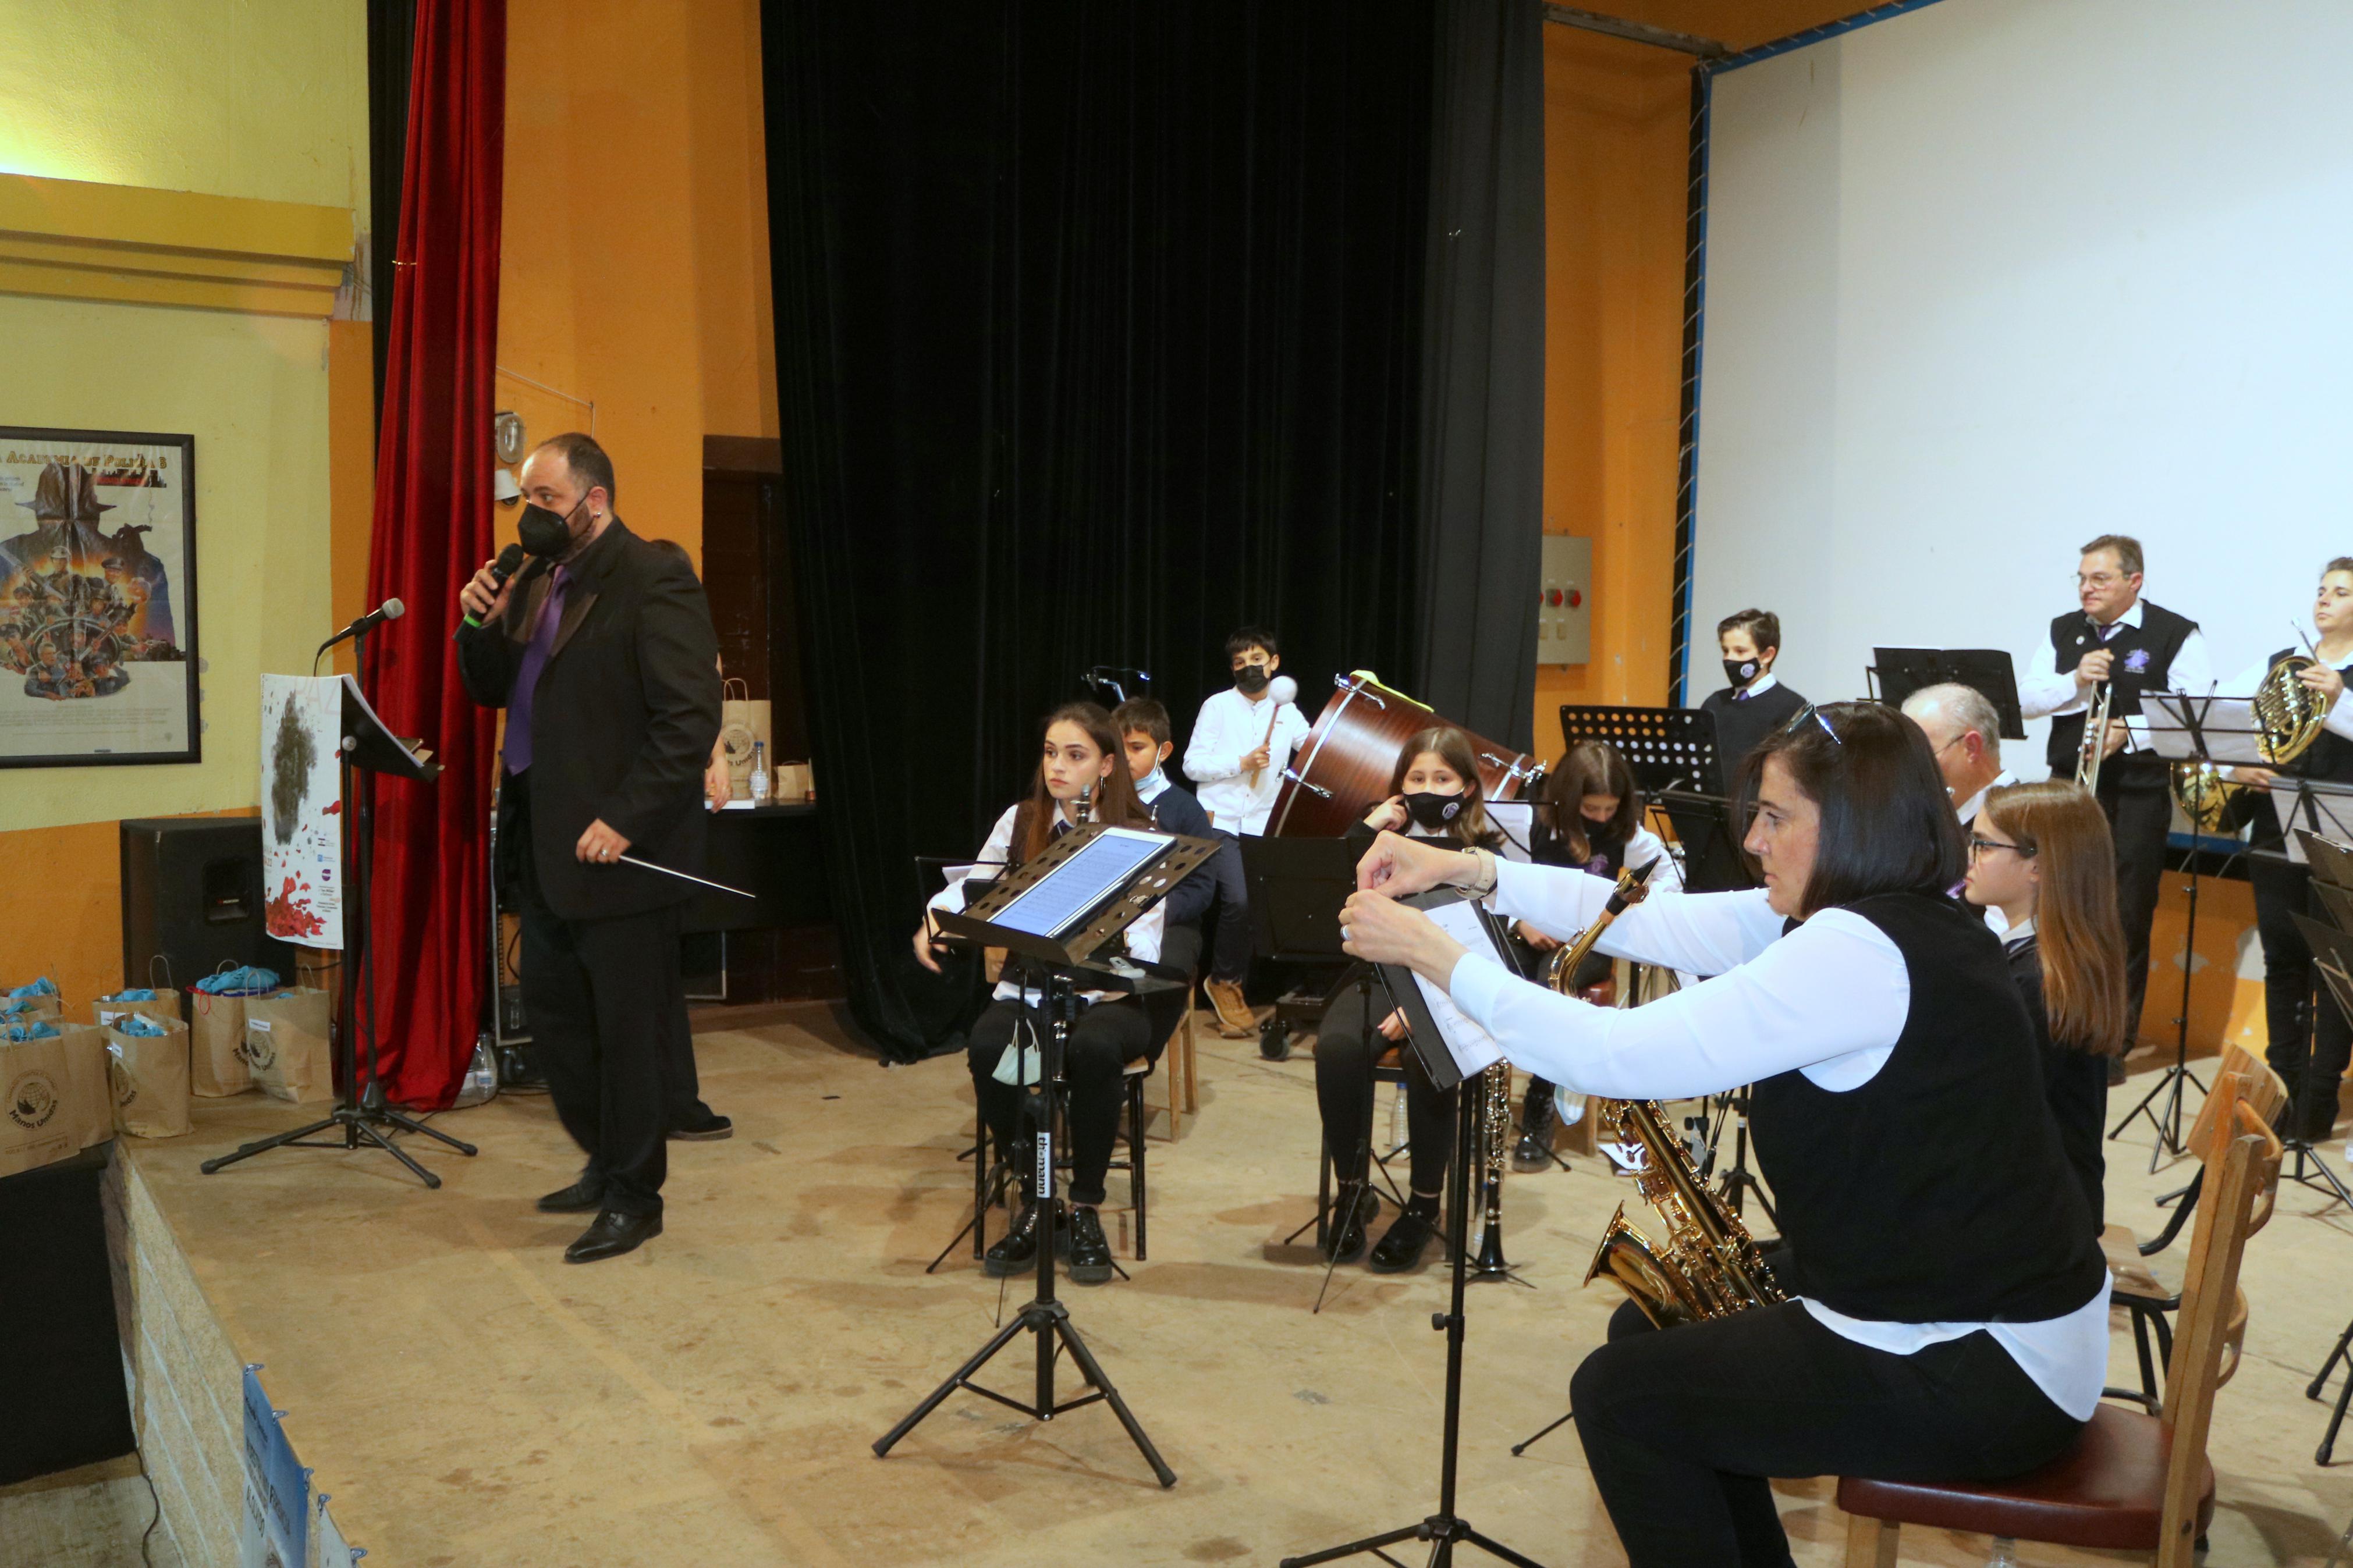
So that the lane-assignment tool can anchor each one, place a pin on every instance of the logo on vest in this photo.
(32, 1101)
(2136, 661)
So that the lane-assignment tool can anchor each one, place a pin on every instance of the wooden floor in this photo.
(470, 1399)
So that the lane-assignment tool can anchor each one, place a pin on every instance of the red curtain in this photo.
(432, 531)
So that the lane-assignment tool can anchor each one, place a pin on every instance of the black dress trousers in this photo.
(2136, 793)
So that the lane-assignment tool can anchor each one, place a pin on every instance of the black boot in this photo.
(1354, 1207)
(1401, 1248)
(1017, 1251)
(1534, 1151)
(1090, 1250)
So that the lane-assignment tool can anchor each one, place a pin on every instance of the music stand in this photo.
(1898, 672)
(1296, 887)
(367, 750)
(2218, 732)
(1051, 914)
(2332, 955)
(1674, 756)
(1445, 1528)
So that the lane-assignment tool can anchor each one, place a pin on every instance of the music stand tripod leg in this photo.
(275, 1140)
(406, 1123)
(367, 1132)
(2344, 1396)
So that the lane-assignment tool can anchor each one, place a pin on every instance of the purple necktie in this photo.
(535, 659)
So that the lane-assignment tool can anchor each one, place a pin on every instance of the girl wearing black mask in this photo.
(1589, 817)
(1434, 793)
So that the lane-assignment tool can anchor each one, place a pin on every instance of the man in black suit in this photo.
(602, 653)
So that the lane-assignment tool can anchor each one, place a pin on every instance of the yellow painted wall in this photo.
(1616, 135)
(635, 260)
(243, 98)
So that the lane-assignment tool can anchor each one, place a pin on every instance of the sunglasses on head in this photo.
(1810, 712)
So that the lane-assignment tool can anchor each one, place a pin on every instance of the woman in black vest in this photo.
(2310, 1041)
(1948, 1307)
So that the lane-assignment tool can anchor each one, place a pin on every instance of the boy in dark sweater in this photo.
(1143, 733)
(1756, 704)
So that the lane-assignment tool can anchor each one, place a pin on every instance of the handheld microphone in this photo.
(390, 610)
(509, 562)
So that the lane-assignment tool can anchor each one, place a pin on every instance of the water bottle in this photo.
(759, 774)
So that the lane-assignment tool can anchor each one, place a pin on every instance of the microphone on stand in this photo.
(390, 610)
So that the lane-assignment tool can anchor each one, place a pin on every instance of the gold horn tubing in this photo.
(1629, 1261)
(2094, 749)
(1709, 1266)
(2288, 712)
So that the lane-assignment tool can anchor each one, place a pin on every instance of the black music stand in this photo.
(1444, 1529)
(1296, 887)
(361, 1112)
(1674, 756)
(1055, 950)
(2332, 955)
(2195, 731)
(1897, 672)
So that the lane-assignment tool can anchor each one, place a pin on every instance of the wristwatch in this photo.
(1484, 882)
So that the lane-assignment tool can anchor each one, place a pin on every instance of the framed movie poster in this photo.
(98, 598)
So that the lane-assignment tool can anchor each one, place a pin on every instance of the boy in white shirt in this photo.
(1239, 746)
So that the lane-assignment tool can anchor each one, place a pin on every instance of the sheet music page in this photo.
(1473, 1049)
(1517, 818)
(1079, 884)
(2228, 724)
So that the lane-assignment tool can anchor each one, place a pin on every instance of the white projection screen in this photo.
(1990, 277)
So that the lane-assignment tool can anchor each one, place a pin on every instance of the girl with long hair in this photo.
(1588, 816)
(1435, 795)
(2041, 853)
(1081, 764)
(1946, 1305)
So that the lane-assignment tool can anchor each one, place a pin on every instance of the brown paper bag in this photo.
(46, 1006)
(743, 721)
(37, 1125)
(215, 1037)
(90, 1098)
(165, 1009)
(149, 1078)
(286, 1048)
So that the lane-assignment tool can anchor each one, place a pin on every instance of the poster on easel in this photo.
(301, 808)
(98, 607)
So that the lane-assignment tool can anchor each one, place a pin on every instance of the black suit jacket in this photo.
(621, 724)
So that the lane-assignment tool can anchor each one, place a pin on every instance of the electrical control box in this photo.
(1565, 601)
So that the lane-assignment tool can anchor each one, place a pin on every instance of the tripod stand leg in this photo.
(1497, 1548)
(1522, 1448)
(1093, 1373)
(957, 1379)
(387, 1144)
(248, 1150)
(1372, 1543)
(410, 1124)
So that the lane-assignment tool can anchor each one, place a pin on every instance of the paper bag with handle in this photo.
(37, 1118)
(286, 1048)
(741, 720)
(148, 1062)
(216, 1029)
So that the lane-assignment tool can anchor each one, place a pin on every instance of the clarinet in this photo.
(1495, 1148)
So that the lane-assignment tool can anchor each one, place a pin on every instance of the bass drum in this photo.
(1343, 767)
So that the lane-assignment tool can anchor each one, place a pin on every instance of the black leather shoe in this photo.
(1089, 1251)
(1017, 1249)
(1401, 1248)
(611, 1233)
(585, 1195)
(1354, 1208)
(710, 1129)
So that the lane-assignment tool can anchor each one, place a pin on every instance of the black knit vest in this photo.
(1936, 1192)
(2144, 661)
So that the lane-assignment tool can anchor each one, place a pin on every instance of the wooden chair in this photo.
(2133, 1481)
(1184, 1086)
(2151, 1299)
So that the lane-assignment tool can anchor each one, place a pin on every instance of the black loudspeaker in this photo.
(57, 1313)
(192, 891)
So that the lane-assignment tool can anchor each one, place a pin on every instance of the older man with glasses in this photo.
(1965, 732)
(2118, 638)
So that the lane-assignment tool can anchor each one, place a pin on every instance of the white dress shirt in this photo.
(1143, 935)
(2044, 690)
(1231, 727)
(1968, 810)
(1830, 1000)
(1756, 688)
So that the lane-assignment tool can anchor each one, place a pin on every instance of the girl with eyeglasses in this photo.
(2042, 855)
(1946, 1305)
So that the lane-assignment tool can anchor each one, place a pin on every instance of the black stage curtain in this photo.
(1482, 514)
(1099, 333)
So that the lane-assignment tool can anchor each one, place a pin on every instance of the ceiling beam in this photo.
(1637, 32)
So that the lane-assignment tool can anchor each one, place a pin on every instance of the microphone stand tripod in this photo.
(361, 1112)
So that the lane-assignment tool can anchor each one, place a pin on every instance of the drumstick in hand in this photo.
(1278, 690)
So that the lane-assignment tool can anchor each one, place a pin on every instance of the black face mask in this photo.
(544, 533)
(1741, 671)
(1251, 679)
(1430, 810)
